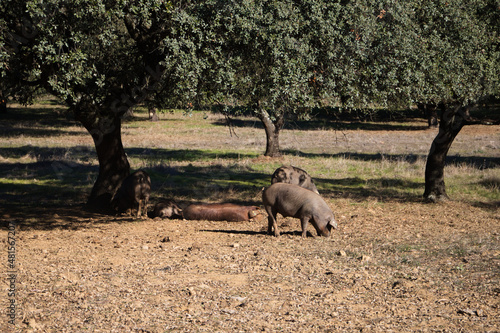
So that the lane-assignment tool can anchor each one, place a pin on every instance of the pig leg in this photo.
(303, 223)
(139, 209)
(145, 208)
(271, 222)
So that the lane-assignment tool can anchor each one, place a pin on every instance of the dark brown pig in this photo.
(133, 193)
(220, 212)
(167, 209)
(295, 201)
(293, 175)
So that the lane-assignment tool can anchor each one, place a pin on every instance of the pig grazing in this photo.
(133, 192)
(295, 201)
(293, 175)
(167, 209)
(220, 212)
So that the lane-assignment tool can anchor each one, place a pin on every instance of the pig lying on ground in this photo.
(220, 212)
(167, 209)
(295, 201)
(293, 175)
(133, 193)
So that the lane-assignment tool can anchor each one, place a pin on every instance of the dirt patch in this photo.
(389, 267)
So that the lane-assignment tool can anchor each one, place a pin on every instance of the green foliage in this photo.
(265, 60)
(282, 55)
(431, 52)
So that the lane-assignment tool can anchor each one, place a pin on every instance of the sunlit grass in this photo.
(192, 153)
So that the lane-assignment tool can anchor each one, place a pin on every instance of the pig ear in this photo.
(333, 223)
(278, 177)
(302, 179)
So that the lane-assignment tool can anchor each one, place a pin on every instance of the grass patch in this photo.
(194, 157)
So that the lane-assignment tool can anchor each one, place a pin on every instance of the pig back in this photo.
(220, 212)
(291, 200)
(293, 175)
(139, 185)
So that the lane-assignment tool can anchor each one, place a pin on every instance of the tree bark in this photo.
(272, 129)
(451, 122)
(113, 162)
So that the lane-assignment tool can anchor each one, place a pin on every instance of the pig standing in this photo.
(220, 212)
(293, 175)
(295, 201)
(133, 192)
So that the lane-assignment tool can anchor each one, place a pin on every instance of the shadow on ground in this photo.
(478, 162)
(323, 124)
(36, 122)
(51, 192)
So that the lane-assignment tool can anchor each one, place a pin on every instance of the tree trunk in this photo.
(451, 122)
(272, 129)
(113, 162)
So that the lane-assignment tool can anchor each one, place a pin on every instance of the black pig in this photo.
(133, 193)
(293, 175)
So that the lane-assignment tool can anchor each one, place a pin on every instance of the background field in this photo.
(395, 264)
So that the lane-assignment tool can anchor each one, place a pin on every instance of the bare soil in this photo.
(400, 267)
(391, 266)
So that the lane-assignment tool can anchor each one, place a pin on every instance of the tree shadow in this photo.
(336, 118)
(210, 183)
(478, 162)
(185, 155)
(384, 189)
(36, 122)
(49, 154)
(493, 206)
(51, 192)
(39, 194)
(328, 124)
(295, 233)
(235, 232)
(42, 195)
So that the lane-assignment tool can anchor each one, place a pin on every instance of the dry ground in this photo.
(394, 265)
(400, 267)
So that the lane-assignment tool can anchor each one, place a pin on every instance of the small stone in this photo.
(342, 253)
(239, 299)
(365, 258)
(468, 312)
(480, 313)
